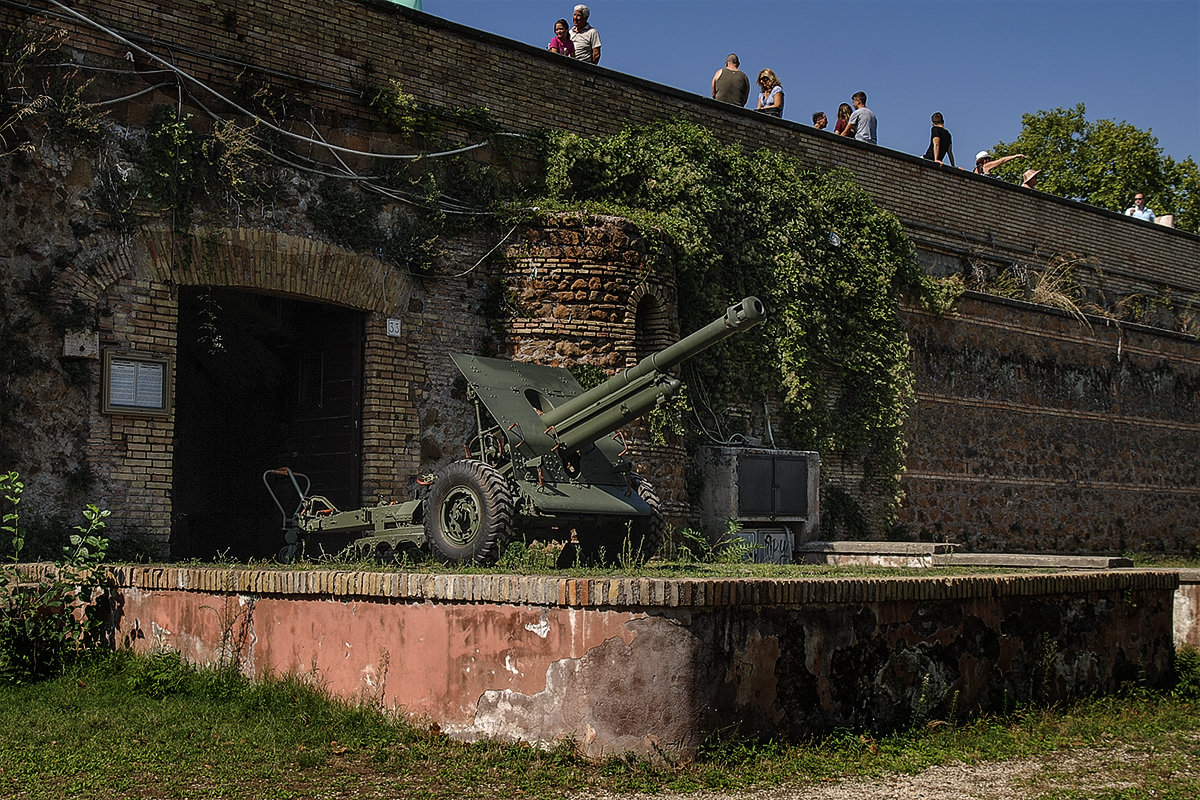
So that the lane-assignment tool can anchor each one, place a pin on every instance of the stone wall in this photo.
(1037, 430)
(321, 51)
(1091, 426)
(655, 666)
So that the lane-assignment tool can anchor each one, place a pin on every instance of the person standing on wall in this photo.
(730, 84)
(585, 38)
(862, 121)
(940, 142)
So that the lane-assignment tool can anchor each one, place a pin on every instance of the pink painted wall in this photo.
(656, 665)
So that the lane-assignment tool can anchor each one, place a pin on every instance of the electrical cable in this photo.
(282, 131)
(147, 90)
(369, 183)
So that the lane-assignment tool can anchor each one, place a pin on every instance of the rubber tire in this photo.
(608, 543)
(646, 533)
(468, 513)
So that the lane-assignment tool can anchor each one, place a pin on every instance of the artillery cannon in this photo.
(546, 458)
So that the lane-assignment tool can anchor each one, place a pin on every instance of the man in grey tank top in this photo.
(730, 84)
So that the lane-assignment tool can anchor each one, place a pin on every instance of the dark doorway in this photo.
(261, 382)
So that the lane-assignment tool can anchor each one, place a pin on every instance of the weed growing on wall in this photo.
(829, 263)
(56, 102)
(170, 169)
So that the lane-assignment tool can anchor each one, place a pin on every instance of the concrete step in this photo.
(1030, 561)
(883, 548)
(942, 554)
(876, 554)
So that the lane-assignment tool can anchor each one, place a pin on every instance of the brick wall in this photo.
(136, 451)
(318, 51)
(1106, 476)
(402, 375)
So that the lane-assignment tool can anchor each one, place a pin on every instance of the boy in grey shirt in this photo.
(862, 121)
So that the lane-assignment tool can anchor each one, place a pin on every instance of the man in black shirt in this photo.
(939, 140)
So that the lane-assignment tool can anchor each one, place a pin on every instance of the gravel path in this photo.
(1087, 770)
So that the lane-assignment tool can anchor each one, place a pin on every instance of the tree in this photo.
(1103, 163)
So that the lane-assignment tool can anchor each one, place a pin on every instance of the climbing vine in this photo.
(830, 265)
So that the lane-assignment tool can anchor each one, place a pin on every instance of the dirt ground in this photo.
(1087, 771)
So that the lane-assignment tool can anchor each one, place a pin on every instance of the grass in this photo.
(551, 558)
(123, 726)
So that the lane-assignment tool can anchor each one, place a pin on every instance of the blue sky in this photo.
(982, 64)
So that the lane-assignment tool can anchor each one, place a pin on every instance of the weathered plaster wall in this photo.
(1187, 609)
(650, 664)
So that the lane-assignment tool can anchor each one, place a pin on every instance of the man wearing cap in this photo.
(1139, 210)
(984, 163)
(585, 38)
(730, 84)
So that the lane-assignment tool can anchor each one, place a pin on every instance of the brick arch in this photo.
(242, 258)
(653, 326)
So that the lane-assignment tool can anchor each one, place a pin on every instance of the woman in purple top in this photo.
(561, 43)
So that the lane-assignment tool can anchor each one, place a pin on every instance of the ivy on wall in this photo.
(829, 264)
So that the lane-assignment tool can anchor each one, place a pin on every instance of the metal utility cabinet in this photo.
(773, 495)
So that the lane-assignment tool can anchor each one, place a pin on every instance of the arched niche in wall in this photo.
(652, 329)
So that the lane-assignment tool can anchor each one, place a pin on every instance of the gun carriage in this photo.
(546, 459)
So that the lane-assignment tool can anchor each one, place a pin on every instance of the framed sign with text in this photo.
(136, 383)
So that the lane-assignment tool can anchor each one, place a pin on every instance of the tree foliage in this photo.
(829, 264)
(1103, 163)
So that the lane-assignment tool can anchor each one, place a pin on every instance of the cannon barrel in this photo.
(631, 393)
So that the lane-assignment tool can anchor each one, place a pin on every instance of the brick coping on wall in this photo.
(592, 72)
(551, 590)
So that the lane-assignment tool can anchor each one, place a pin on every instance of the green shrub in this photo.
(46, 625)
(1187, 673)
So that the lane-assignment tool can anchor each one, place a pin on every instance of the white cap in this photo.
(981, 154)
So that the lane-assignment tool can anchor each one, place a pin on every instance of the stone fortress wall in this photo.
(1089, 425)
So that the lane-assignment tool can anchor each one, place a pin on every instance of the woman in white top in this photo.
(771, 99)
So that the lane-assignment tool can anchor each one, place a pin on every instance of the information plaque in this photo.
(136, 383)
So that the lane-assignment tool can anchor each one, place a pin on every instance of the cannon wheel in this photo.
(646, 533)
(638, 538)
(468, 513)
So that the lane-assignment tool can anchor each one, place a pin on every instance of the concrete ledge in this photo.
(617, 592)
(930, 554)
(882, 548)
(1022, 560)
